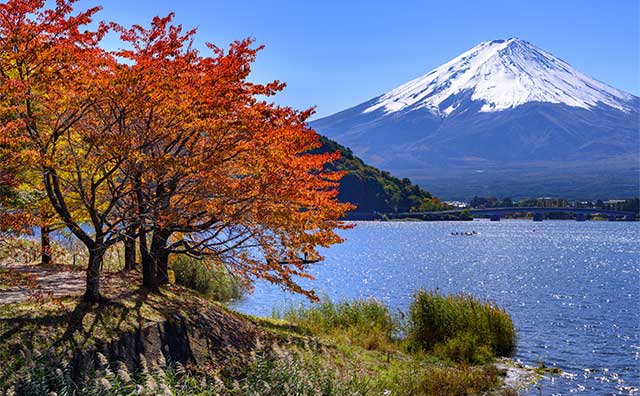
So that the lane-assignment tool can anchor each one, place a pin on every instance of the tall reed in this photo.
(435, 319)
(365, 322)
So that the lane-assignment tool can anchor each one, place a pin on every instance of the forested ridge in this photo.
(375, 190)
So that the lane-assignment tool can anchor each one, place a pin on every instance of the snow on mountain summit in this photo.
(502, 74)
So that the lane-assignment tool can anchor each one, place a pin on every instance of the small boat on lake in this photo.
(465, 233)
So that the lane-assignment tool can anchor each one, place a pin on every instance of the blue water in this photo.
(572, 288)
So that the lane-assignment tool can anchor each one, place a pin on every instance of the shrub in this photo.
(207, 278)
(366, 322)
(464, 348)
(460, 322)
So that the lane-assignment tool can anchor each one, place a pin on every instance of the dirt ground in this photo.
(20, 281)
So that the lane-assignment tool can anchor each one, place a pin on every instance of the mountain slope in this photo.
(505, 118)
(373, 190)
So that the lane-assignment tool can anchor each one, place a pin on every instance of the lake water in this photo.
(572, 288)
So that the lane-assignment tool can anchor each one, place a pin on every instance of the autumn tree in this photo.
(23, 202)
(51, 75)
(14, 219)
(161, 143)
(219, 172)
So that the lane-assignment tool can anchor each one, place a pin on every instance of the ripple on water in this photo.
(571, 288)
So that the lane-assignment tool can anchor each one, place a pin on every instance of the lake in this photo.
(572, 288)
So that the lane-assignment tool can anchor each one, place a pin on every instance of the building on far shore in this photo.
(457, 204)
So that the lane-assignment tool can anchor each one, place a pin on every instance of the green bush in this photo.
(211, 280)
(464, 348)
(366, 322)
(460, 325)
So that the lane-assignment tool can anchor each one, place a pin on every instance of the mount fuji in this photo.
(504, 118)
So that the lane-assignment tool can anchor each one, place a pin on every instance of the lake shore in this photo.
(164, 344)
(569, 286)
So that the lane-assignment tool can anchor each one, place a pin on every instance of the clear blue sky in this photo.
(336, 54)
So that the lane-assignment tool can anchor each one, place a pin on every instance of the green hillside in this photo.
(374, 190)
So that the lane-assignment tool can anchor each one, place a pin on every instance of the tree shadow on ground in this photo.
(176, 323)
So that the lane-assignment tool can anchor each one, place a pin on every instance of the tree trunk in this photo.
(45, 245)
(163, 268)
(149, 265)
(161, 257)
(92, 292)
(130, 250)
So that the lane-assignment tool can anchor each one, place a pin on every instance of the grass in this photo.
(288, 374)
(272, 371)
(267, 374)
(543, 369)
(37, 347)
(67, 326)
(409, 380)
(367, 323)
(460, 327)
(36, 340)
(456, 328)
(458, 363)
(343, 348)
(466, 348)
(208, 279)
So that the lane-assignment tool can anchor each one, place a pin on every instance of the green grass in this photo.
(460, 327)
(367, 323)
(410, 379)
(466, 348)
(344, 348)
(268, 374)
(458, 363)
(543, 369)
(208, 279)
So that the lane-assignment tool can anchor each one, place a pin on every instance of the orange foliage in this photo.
(165, 138)
(218, 171)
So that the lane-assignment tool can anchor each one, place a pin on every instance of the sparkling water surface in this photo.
(572, 288)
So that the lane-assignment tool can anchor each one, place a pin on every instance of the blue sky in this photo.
(336, 54)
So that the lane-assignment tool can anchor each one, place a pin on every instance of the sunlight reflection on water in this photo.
(571, 287)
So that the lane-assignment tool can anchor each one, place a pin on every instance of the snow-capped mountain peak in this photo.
(501, 74)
